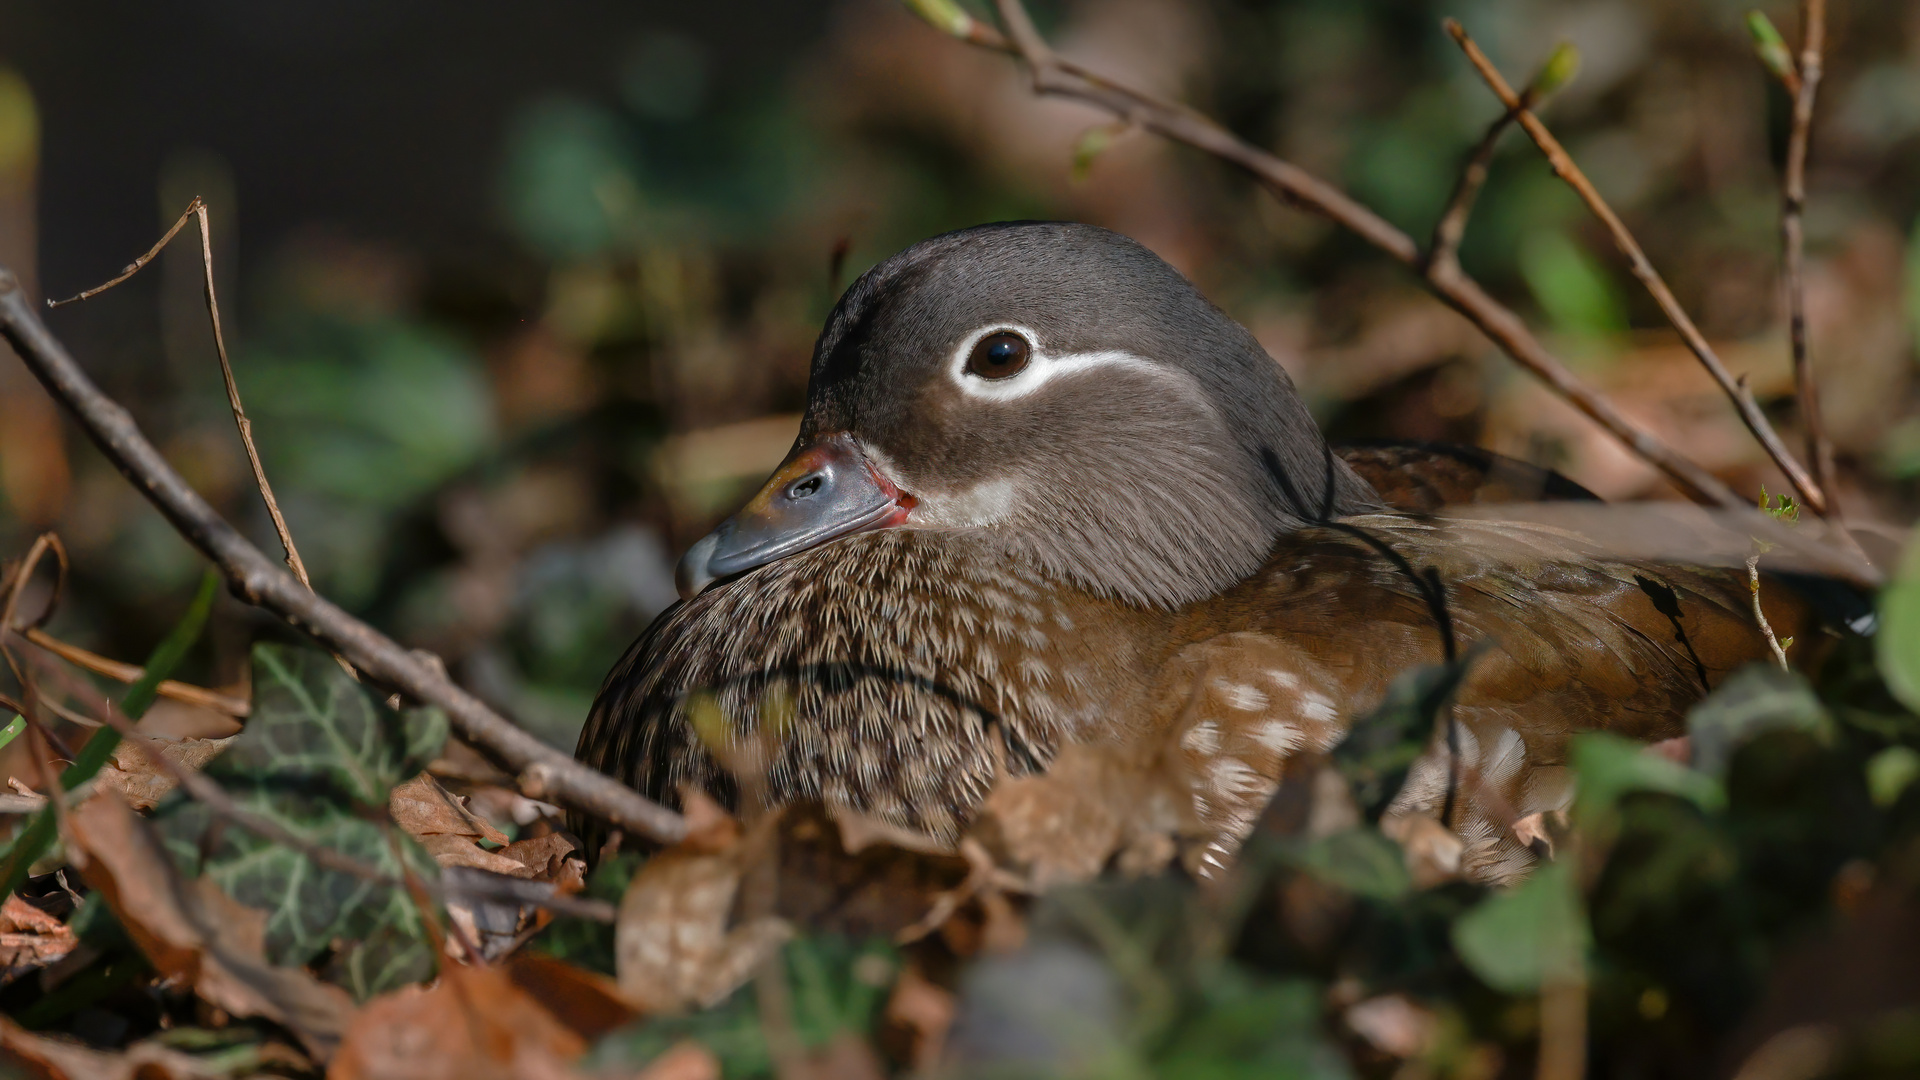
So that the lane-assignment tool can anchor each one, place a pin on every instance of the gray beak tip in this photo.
(691, 575)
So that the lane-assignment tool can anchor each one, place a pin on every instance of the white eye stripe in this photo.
(1042, 367)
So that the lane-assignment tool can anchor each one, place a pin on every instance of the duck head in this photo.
(1061, 390)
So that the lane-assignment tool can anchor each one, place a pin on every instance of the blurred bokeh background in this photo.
(522, 296)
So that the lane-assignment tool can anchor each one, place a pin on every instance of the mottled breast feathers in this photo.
(901, 672)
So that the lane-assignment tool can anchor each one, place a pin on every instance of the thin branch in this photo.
(120, 671)
(1760, 616)
(544, 772)
(1813, 19)
(29, 690)
(1056, 77)
(1444, 250)
(198, 209)
(1563, 166)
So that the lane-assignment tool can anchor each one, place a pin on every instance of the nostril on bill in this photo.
(806, 488)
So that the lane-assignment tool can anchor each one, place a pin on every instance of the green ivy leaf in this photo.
(1523, 939)
(318, 756)
(1757, 699)
(1609, 767)
(1361, 861)
(1897, 644)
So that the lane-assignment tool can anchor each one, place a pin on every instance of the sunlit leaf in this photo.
(318, 756)
(1536, 934)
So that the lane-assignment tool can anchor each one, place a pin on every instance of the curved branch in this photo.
(1055, 77)
(544, 772)
(1563, 167)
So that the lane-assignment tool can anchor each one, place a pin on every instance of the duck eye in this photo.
(999, 356)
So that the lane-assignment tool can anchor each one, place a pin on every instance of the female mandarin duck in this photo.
(1052, 512)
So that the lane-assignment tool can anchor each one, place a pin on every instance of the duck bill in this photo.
(825, 489)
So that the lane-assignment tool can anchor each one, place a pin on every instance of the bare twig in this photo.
(1056, 77)
(37, 731)
(544, 772)
(1444, 250)
(120, 671)
(1564, 167)
(1813, 20)
(1760, 616)
(16, 585)
(198, 209)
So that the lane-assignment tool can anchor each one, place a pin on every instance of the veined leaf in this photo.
(318, 756)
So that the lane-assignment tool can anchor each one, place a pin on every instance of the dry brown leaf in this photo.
(423, 808)
(30, 938)
(450, 850)
(530, 1019)
(839, 874)
(586, 1002)
(42, 1057)
(499, 928)
(546, 857)
(673, 947)
(142, 781)
(1093, 805)
(193, 932)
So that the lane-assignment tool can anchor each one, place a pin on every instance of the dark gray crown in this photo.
(1158, 464)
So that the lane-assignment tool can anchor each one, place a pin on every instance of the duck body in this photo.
(901, 673)
(1052, 517)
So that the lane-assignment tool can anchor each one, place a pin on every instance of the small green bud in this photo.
(1770, 46)
(1557, 72)
(1781, 508)
(944, 16)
